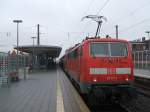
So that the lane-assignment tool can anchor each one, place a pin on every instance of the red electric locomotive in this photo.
(100, 65)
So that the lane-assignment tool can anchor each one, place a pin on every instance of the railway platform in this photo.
(44, 91)
(142, 73)
(142, 80)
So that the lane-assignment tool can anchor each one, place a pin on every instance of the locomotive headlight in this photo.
(95, 80)
(127, 79)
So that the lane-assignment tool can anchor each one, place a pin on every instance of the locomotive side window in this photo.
(108, 49)
(99, 49)
(73, 54)
(80, 50)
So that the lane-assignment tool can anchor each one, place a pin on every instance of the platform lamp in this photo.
(17, 21)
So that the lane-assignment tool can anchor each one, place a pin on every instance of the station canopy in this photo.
(52, 51)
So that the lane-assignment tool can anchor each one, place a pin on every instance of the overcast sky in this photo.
(58, 17)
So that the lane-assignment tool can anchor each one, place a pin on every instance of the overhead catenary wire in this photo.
(133, 26)
(5, 34)
(136, 24)
(103, 6)
(121, 19)
(88, 8)
(125, 17)
(90, 3)
(132, 12)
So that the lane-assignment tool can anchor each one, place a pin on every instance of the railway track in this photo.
(108, 108)
(142, 85)
(141, 104)
(142, 89)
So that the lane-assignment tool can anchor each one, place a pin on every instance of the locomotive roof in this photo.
(104, 39)
(95, 40)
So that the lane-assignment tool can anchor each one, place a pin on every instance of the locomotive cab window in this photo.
(104, 49)
(99, 49)
(118, 49)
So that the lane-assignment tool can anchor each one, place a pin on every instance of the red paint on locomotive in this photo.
(100, 62)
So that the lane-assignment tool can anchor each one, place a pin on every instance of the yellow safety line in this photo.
(60, 104)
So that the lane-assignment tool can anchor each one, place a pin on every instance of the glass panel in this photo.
(118, 49)
(108, 49)
(99, 49)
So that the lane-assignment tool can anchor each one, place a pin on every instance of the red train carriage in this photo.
(99, 64)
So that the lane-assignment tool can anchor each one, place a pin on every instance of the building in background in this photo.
(141, 53)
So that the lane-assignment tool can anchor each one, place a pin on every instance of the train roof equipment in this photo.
(99, 20)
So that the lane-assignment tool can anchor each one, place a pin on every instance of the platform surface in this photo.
(71, 98)
(36, 94)
(142, 73)
(47, 91)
